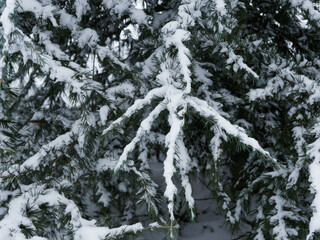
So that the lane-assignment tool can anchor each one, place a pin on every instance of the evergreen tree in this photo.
(112, 110)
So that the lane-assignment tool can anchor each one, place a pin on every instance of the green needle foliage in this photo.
(113, 111)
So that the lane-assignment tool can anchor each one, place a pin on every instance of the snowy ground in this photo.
(209, 225)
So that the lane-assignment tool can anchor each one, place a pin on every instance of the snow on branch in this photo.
(33, 162)
(290, 78)
(260, 216)
(185, 164)
(44, 11)
(144, 128)
(10, 225)
(205, 110)
(177, 38)
(280, 229)
(298, 135)
(314, 169)
(168, 165)
(308, 6)
(6, 29)
(46, 60)
(105, 51)
(138, 104)
(215, 144)
(175, 95)
(238, 62)
(221, 6)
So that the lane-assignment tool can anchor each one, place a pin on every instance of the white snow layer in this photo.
(36, 196)
(33, 162)
(314, 178)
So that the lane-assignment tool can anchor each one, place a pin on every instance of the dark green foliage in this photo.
(112, 112)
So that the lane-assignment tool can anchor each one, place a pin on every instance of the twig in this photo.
(121, 103)
(29, 44)
(93, 63)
